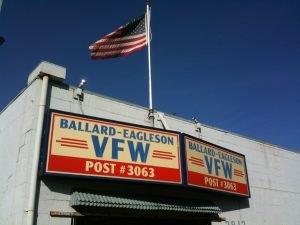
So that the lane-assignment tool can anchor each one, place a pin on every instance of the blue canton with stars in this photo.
(135, 27)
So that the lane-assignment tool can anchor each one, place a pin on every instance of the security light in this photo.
(82, 84)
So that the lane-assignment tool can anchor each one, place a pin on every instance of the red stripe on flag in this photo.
(116, 54)
(115, 42)
(120, 48)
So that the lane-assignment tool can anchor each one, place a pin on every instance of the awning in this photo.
(84, 199)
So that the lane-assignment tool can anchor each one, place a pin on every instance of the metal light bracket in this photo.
(78, 94)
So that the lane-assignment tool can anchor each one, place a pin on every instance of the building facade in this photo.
(59, 199)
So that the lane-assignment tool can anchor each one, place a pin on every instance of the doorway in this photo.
(95, 220)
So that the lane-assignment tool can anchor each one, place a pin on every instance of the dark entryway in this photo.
(106, 209)
(94, 220)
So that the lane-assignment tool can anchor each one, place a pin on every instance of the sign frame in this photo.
(186, 175)
(45, 150)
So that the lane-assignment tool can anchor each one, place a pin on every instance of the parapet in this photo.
(55, 72)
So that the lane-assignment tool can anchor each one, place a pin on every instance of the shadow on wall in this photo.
(67, 185)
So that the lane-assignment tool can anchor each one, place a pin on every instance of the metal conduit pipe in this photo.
(31, 211)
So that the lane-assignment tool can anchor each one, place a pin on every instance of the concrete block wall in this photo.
(17, 131)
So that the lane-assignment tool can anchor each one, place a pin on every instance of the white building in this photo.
(28, 197)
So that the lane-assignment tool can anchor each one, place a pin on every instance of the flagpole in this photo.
(151, 112)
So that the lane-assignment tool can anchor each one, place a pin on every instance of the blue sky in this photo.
(232, 64)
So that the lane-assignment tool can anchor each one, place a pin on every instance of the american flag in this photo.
(121, 42)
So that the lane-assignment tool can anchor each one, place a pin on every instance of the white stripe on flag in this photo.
(117, 52)
(110, 46)
(120, 39)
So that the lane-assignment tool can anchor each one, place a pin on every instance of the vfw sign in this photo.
(80, 145)
(213, 167)
(92, 147)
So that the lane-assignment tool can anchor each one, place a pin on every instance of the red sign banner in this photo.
(80, 145)
(213, 167)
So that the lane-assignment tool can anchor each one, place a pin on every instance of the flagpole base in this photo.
(151, 116)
